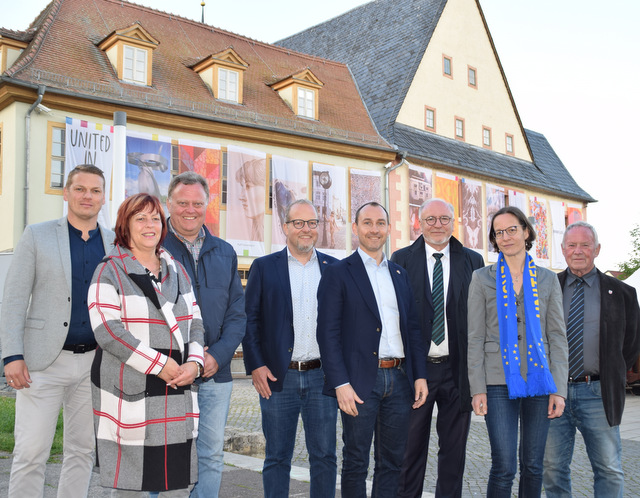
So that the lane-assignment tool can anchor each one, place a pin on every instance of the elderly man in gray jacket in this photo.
(47, 340)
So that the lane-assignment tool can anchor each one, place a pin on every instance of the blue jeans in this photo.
(301, 395)
(385, 413)
(584, 411)
(502, 418)
(213, 401)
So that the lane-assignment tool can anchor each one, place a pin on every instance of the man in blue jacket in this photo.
(213, 269)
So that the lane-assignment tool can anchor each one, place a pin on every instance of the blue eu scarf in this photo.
(539, 380)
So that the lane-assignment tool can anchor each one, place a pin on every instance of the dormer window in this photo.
(10, 50)
(223, 74)
(130, 51)
(300, 91)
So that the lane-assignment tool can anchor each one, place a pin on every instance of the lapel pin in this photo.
(398, 272)
(610, 292)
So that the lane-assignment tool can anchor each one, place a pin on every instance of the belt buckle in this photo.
(300, 365)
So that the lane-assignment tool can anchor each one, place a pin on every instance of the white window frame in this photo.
(228, 84)
(430, 119)
(134, 64)
(306, 103)
(509, 144)
(460, 122)
(486, 137)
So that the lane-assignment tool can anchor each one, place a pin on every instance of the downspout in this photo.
(27, 149)
(389, 167)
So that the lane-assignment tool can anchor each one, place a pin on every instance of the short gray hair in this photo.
(428, 202)
(296, 203)
(188, 178)
(583, 224)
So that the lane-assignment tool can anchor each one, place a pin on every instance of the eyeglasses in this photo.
(510, 231)
(431, 220)
(298, 224)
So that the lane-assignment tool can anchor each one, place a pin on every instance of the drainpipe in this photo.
(27, 150)
(389, 167)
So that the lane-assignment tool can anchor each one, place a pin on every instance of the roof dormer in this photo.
(300, 91)
(223, 73)
(130, 51)
(10, 50)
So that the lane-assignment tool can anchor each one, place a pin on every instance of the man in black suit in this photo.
(443, 322)
(603, 332)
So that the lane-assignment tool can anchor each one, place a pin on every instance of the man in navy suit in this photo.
(373, 355)
(282, 355)
(447, 349)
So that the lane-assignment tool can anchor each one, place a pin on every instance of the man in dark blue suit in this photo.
(282, 355)
(373, 355)
(446, 346)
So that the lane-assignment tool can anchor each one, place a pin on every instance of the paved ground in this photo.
(242, 473)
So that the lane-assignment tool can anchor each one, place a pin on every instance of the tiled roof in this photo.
(546, 173)
(383, 42)
(64, 54)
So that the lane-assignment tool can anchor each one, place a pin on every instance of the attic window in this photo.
(473, 81)
(430, 118)
(223, 73)
(130, 51)
(300, 91)
(10, 50)
(486, 137)
(447, 66)
(509, 144)
(460, 128)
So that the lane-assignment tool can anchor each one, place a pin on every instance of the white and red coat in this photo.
(145, 430)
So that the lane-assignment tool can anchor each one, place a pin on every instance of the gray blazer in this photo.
(36, 307)
(484, 358)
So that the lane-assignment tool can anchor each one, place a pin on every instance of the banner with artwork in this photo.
(472, 215)
(205, 159)
(447, 189)
(290, 183)
(420, 190)
(90, 143)
(246, 200)
(574, 213)
(495, 202)
(557, 226)
(329, 190)
(148, 166)
(519, 200)
(366, 186)
(538, 209)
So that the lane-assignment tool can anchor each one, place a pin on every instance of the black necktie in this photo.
(575, 331)
(437, 294)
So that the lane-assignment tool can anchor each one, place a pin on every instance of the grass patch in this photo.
(7, 419)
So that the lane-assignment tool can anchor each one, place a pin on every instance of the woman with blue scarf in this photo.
(517, 354)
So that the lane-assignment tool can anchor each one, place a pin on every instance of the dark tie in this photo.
(437, 294)
(575, 329)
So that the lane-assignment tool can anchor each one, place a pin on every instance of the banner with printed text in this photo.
(495, 202)
(290, 183)
(420, 190)
(329, 190)
(246, 200)
(557, 227)
(538, 209)
(472, 215)
(90, 143)
(365, 186)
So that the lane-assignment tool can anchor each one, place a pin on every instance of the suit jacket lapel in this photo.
(282, 270)
(62, 233)
(419, 265)
(361, 280)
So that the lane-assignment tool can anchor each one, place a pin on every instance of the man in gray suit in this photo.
(47, 341)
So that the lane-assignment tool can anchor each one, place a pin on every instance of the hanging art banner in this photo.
(329, 189)
(90, 143)
(472, 214)
(447, 189)
(574, 213)
(290, 183)
(420, 190)
(365, 186)
(518, 199)
(246, 200)
(557, 226)
(205, 159)
(538, 208)
(495, 202)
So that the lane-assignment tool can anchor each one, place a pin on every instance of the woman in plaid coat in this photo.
(150, 335)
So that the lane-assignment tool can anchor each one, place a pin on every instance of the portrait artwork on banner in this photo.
(472, 214)
(329, 190)
(204, 159)
(290, 183)
(495, 202)
(420, 190)
(246, 200)
(365, 187)
(148, 165)
(538, 208)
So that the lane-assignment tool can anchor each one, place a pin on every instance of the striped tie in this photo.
(437, 294)
(575, 323)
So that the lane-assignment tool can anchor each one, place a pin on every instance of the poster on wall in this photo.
(447, 189)
(246, 200)
(495, 202)
(472, 215)
(519, 200)
(205, 159)
(329, 190)
(574, 213)
(365, 186)
(420, 190)
(290, 183)
(148, 165)
(557, 227)
(538, 209)
(90, 143)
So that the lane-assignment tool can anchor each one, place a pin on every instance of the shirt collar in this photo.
(589, 278)
(431, 251)
(366, 259)
(292, 258)
(74, 230)
(200, 235)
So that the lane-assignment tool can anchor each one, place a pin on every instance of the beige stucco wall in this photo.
(460, 34)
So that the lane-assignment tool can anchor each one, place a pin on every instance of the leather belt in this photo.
(390, 362)
(585, 378)
(80, 348)
(437, 359)
(303, 366)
